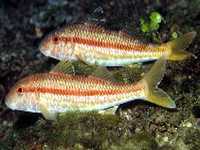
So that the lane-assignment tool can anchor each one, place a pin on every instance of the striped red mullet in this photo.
(95, 45)
(54, 92)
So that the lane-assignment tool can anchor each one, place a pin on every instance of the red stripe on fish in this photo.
(75, 92)
(93, 42)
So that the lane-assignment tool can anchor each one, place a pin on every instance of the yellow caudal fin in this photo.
(177, 47)
(151, 80)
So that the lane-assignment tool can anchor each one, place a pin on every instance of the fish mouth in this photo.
(44, 50)
(9, 104)
(6, 103)
(41, 47)
(10, 99)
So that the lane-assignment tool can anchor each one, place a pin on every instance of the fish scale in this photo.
(85, 101)
(95, 45)
(99, 33)
(55, 92)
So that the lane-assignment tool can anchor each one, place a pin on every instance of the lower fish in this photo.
(96, 46)
(56, 92)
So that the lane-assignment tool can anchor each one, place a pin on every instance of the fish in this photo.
(95, 45)
(57, 92)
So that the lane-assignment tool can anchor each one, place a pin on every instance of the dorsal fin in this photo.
(89, 26)
(83, 68)
(92, 25)
(124, 33)
(69, 68)
(97, 27)
(103, 73)
(63, 67)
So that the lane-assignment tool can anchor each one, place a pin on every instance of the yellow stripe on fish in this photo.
(95, 45)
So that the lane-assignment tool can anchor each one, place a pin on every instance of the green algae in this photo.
(137, 142)
(153, 24)
(88, 130)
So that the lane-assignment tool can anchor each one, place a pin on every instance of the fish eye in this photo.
(55, 39)
(19, 90)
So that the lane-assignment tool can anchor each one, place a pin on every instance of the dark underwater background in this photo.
(137, 125)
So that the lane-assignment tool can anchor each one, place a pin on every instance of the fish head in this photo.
(19, 99)
(58, 45)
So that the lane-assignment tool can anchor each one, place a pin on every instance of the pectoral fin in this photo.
(86, 58)
(47, 114)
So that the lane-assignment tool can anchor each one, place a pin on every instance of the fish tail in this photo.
(151, 80)
(177, 47)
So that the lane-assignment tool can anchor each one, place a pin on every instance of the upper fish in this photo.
(55, 92)
(97, 46)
